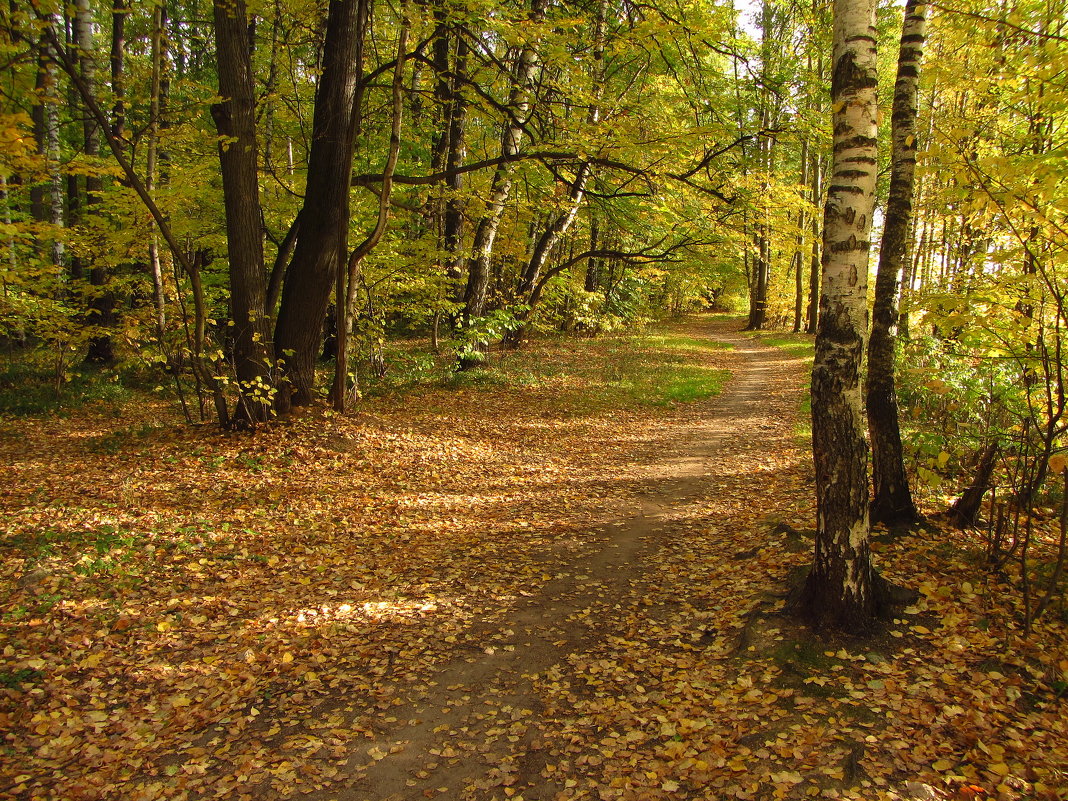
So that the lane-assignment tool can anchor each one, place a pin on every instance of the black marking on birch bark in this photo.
(913, 38)
(851, 245)
(845, 188)
(851, 173)
(847, 75)
(857, 141)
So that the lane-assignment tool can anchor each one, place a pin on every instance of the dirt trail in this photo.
(482, 730)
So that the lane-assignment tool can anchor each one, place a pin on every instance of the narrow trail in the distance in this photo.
(488, 724)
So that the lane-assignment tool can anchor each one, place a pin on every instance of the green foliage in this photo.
(29, 386)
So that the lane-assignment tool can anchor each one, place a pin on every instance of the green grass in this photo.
(28, 388)
(801, 346)
(666, 384)
(654, 368)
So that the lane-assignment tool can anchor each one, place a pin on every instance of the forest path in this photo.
(487, 725)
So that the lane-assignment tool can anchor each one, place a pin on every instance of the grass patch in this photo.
(654, 368)
(28, 389)
(663, 385)
(800, 345)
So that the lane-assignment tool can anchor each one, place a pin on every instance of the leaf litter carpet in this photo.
(488, 594)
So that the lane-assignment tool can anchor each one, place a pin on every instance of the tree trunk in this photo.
(102, 301)
(235, 119)
(120, 9)
(478, 277)
(345, 291)
(155, 105)
(799, 243)
(48, 206)
(311, 275)
(843, 590)
(892, 503)
(964, 512)
(453, 218)
(815, 259)
(593, 266)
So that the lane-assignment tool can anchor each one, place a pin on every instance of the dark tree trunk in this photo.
(758, 289)
(964, 511)
(593, 266)
(120, 10)
(311, 275)
(892, 503)
(102, 300)
(452, 238)
(235, 119)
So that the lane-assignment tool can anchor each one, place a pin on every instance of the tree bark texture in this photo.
(892, 501)
(842, 588)
(325, 213)
(235, 119)
(450, 50)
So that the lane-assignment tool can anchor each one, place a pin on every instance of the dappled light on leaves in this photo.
(537, 594)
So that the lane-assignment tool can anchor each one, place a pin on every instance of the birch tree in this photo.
(892, 503)
(842, 589)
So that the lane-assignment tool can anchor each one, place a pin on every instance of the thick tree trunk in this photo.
(892, 502)
(345, 291)
(325, 214)
(842, 589)
(235, 118)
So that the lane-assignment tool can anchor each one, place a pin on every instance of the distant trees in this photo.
(258, 139)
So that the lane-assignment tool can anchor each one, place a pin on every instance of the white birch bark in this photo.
(842, 588)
